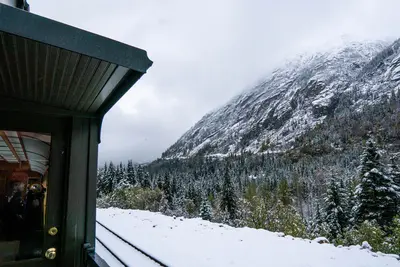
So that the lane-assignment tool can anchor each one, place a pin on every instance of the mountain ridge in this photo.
(294, 98)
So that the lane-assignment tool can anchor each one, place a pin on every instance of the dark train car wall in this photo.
(52, 111)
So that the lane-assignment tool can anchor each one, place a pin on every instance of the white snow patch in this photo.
(324, 100)
(197, 148)
(366, 245)
(195, 242)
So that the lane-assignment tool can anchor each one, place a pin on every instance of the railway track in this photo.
(123, 251)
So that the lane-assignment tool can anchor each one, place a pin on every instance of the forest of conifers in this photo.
(340, 180)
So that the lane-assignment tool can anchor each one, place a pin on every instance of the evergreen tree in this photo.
(146, 181)
(101, 184)
(368, 231)
(376, 193)
(123, 181)
(351, 203)
(394, 171)
(143, 177)
(316, 221)
(228, 198)
(394, 238)
(166, 187)
(193, 194)
(130, 173)
(206, 210)
(394, 174)
(318, 215)
(140, 175)
(119, 175)
(285, 218)
(109, 178)
(284, 192)
(335, 216)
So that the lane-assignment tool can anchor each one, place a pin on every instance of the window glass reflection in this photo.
(24, 161)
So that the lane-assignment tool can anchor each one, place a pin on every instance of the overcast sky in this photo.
(205, 52)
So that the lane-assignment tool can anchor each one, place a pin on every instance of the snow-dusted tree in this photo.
(394, 174)
(369, 231)
(166, 187)
(139, 174)
(285, 218)
(228, 196)
(130, 173)
(284, 192)
(335, 216)
(193, 194)
(351, 203)
(316, 221)
(394, 171)
(142, 176)
(119, 176)
(177, 206)
(254, 208)
(101, 184)
(394, 238)
(109, 178)
(123, 181)
(376, 193)
(205, 209)
(146, 181)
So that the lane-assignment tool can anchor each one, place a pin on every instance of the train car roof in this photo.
(53, 68)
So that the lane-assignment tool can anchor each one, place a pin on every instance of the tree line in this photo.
(340, 180)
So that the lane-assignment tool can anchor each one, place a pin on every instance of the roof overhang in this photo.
(53, 68)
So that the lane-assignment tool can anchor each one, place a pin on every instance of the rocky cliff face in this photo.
(293, 99)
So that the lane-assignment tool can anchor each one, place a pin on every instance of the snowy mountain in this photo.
(295, 98)
(195, 242)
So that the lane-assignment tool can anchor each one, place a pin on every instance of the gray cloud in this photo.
(205, 52)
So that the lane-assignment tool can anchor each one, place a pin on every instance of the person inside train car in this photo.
(14, 215)
(34, 207)
(33, 224)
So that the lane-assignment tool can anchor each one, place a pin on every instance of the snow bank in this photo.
(194, 242)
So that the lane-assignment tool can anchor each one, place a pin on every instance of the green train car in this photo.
(56, 84)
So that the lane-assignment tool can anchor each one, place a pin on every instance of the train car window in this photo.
(24, 163)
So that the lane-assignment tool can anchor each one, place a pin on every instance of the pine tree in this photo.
(335, 216)
(394, 171)
(206, 210)
(101, 185)
(109, 178)
(166, 187)
(123, 181)
(394, 238)
(284, 192)
(376, 193)
(139, 174)
(130, 173)
(285, 218)
(146, 181)
(351, 203)
(316, 221)
(119, 176)
(228, 198)
(193, 194)
(143, 177)
(394, 174)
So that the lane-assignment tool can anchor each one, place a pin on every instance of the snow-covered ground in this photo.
(194, 242)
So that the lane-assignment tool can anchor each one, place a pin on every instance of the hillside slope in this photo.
(295, 98)
(195, 242)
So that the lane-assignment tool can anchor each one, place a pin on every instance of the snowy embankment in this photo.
(195, 242)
